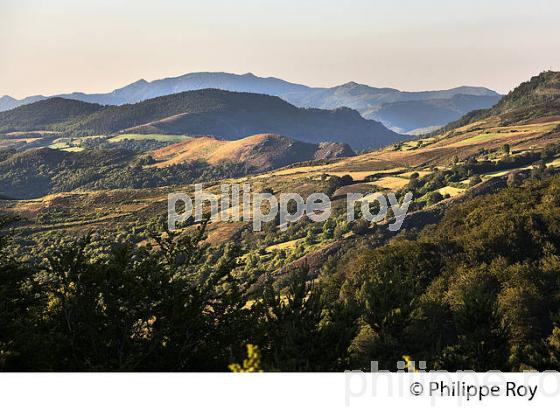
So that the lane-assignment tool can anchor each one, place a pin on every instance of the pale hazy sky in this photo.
(54, 46)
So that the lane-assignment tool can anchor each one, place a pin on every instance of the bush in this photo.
(434, 197)
(475, 180)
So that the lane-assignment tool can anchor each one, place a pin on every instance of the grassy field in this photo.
(284, 245)
(356, 175)
(65, 146)
(452, 191)
(508, 132)
(421, 174)
(7, 142)
(157, 137)
(392, 183)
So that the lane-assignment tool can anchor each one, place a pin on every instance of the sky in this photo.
(55, 46)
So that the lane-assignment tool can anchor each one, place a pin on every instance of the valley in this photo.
(388, 169)
(482, 225)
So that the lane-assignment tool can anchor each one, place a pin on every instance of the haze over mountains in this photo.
(404, 112)
(533, 101)
(526, 119)
(223, 114)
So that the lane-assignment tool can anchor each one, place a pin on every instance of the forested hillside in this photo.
(35, 173)
(228, 115)
(55, 114)
(537, 98)
(479, 291)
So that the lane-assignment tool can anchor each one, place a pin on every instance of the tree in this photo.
(302, 334)
(388, 282)
(328, 228)
(482, 338)
(434, 197)
(475, 180)
(137, 309)
(514, 179)
(346, 180)
(360, 226)
(333, 183)
(549, 152)
(14, 301)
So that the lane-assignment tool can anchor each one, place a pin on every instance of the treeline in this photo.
(479, 291)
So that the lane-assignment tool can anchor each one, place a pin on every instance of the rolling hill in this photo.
(536, 98)
(54, 114)
(223, 114)
(371, 102)
(37, 172)
(260, 152)
(144, 90)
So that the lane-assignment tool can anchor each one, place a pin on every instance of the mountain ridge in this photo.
(224, 114)
(364, 98)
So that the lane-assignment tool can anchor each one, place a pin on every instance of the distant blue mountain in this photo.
(8, 103)
(400, 110)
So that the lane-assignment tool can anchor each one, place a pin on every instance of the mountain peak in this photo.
(474, 90)
(140, 82)
(351, 84)
(358, 87)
